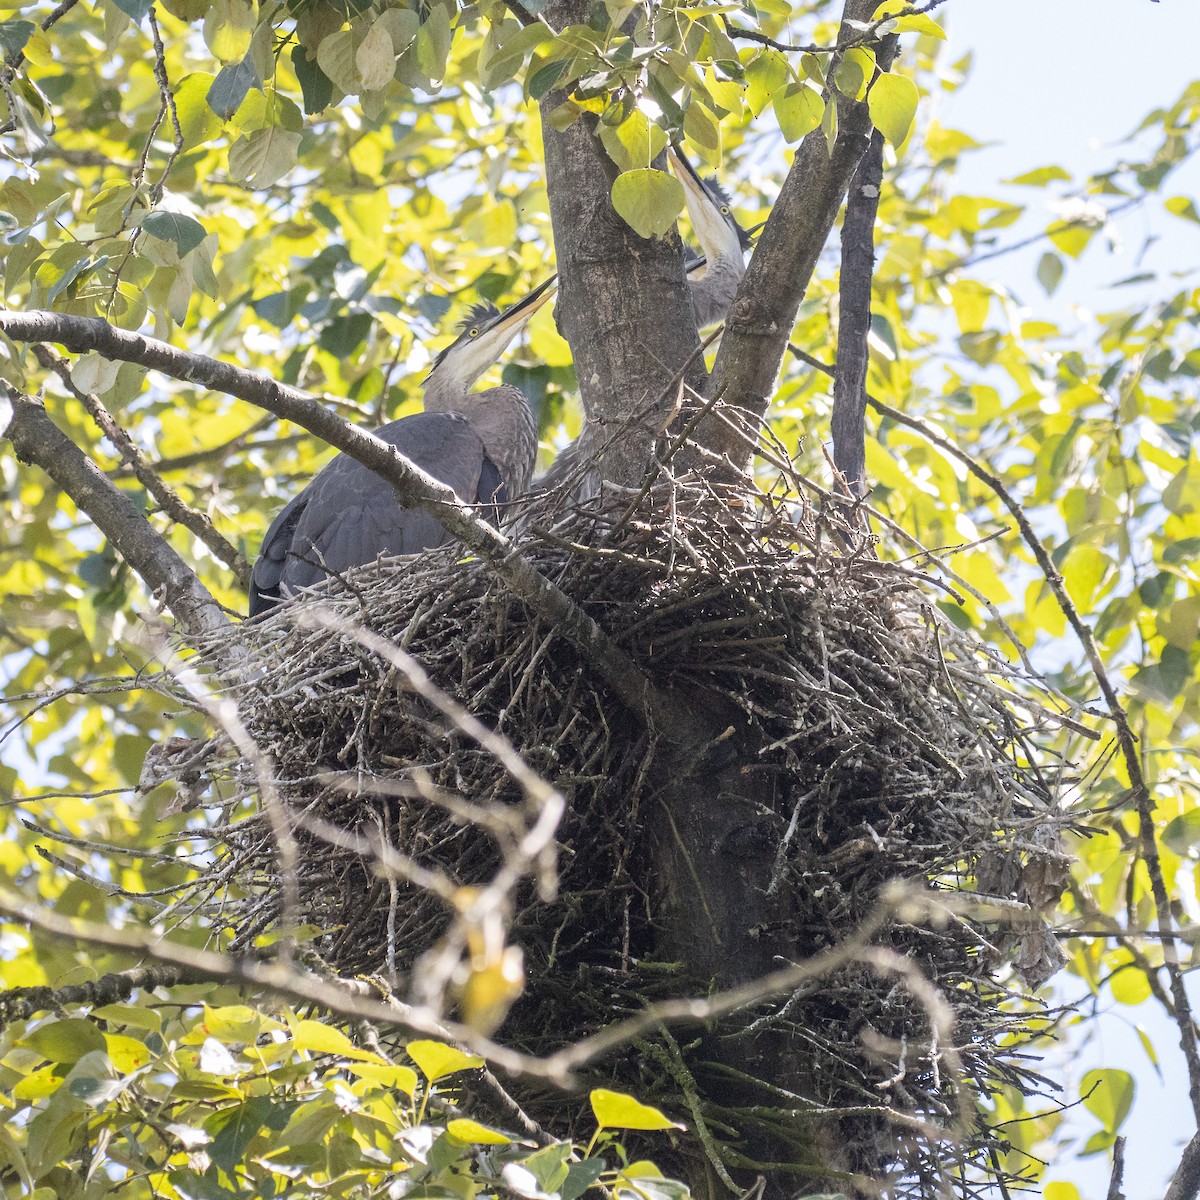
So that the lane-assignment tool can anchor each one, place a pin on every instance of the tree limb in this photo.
(414, 487)
(169, 500)
(36, 439)
(854, 308)
(783, 262)
(1186, 1183)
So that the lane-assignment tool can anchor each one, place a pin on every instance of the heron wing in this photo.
(268, 568)
(349, 516)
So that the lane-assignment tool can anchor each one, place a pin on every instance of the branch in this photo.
(414, 487)
(854, 309)
(859, 39)
(19, 1004)
(1117, 1179)
(360, 1000)
(1186, 1183)
(36, 439)
(762, 316)
(169, 500)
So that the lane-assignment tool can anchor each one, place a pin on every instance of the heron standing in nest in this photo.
(482, 444)
(713, 278)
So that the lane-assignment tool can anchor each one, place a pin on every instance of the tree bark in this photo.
(761, 320)
(854, 309)
(623, 300)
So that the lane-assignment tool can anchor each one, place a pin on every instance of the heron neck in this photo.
(504, 422)
(445, 392)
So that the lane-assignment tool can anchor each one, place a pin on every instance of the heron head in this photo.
(710, 211)
(484, 335)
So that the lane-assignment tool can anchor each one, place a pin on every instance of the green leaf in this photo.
(704, 130)
(335, 57)
(580, 1177)
(230, 87)
(65, 1041)
(799, 109)
(263, 157)
(14, 35)
(893, 105)
(437, 1060)
(766, 74)
(135, 10)
(315, 86)
(433, 44)
(648, 201)
(615, 1110)
(186, 232)
(1108, 1094)
(1050, 270)
(634, 143)
(1040, 177)
(472, 1133)
(375, 58)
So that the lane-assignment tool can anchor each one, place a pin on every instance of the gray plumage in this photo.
(483, 445)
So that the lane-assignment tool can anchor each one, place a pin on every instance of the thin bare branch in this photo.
(168, 499)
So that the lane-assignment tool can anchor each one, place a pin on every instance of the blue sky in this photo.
(1065, 82)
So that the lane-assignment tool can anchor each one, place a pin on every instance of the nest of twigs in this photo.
(898, 748)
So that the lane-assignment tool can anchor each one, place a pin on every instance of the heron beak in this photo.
(718, 235)
(514, 317)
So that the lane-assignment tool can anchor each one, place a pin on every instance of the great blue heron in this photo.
(483, 444)
(713, 279)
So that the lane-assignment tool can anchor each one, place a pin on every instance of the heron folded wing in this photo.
(350, 515)
(272, 557)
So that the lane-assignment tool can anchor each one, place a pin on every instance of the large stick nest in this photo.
(900, 748)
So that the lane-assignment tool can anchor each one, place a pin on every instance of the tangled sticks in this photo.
(870, 739)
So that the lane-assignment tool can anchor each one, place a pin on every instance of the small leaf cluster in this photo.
(211, 1101)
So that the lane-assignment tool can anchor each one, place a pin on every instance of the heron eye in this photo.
(474, 333)
(724, 211)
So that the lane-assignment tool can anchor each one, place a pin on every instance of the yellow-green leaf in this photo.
(893, 105)
(228, 28)
(648, 201)
(127, 1054)
(911, 23)
(799, 109)
(1108, 1094)
(765, 75)
(65, 1041)
(317, 1038)
(615, 1110)
(438, 1060)
(403, 1079)
(634, 142)
(472, 1133)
